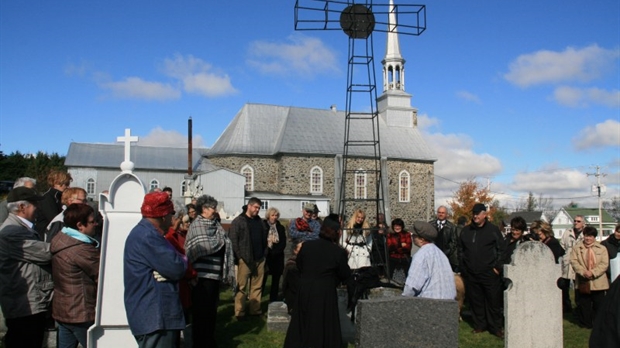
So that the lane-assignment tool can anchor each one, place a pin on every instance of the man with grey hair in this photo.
(25, 272)
(446, 236)
(570, 237)
(23, 181)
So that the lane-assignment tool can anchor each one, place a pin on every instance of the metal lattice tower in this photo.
(361, 157)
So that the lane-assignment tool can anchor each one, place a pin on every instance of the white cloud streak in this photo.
(299, 56)
(467, 96)
(169, 138)
(581, 97)
(600, 135)
(137, 88)
(550, 67)
(198, 76)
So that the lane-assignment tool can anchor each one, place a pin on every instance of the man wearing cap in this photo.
(305, 227)
(25, 272)
(152, 269)
(480, 249)
(23, 181)
(430, 274)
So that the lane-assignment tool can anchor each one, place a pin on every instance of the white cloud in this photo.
(457, 161)
(198, 76)
(171, 138)
(572, 64)
(600, 135)
(467, 96)
(300, 56)
(137, 88)
(574, 97)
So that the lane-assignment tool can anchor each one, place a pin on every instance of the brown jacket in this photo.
(75, 268)
(578, 262)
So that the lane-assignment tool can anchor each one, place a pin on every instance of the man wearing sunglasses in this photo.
(570, 237)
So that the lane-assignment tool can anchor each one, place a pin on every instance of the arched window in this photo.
(154, 184)
(316, 180)
(360, 184)
(90, 186)
(248, 172)
(404, 186)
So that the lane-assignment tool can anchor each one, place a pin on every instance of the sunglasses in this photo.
(578, 221)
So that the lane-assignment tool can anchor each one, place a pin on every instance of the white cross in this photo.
(127, 139)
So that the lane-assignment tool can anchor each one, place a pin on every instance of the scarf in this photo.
(75, 234)
(273, 237)
(206, 237)
(302, 225)
(590, 257)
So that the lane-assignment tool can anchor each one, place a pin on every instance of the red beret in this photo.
(156, 204)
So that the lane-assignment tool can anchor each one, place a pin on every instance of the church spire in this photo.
(393, 63)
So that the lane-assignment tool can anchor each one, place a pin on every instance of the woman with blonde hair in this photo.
(356, 240)
(276, 243)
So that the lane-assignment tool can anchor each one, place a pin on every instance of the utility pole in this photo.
(598, 188)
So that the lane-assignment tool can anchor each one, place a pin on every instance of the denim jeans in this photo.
(69, 335)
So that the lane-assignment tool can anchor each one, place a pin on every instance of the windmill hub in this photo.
(357, 21)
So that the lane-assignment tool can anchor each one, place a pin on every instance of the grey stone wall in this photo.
(290, 175)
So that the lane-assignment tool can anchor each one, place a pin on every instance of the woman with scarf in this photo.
(276, 242)
(210, 253)
(590, 261)
(399, 246)
(75, 268)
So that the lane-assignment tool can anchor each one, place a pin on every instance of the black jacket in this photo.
(481, 248)
(447, 241)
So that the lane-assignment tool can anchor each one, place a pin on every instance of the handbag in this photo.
(583, 285)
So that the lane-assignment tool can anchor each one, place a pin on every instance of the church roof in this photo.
(260, 129)
(143, 157)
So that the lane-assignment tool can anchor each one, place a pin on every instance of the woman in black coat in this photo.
(545, 234)
(276, 243)
(322, 265)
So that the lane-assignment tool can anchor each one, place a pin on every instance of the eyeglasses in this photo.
(576, 221)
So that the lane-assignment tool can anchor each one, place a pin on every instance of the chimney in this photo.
(189, 146)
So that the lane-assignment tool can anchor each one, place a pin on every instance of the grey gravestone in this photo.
(420, 322)
(277, 317)
(121, 212)
(533, 302)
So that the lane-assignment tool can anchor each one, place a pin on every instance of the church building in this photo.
(288, 156)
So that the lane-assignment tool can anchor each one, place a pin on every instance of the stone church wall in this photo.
(290, 175)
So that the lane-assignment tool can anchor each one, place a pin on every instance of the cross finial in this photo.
(127, 165)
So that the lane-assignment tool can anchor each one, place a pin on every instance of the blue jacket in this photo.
(152, 305)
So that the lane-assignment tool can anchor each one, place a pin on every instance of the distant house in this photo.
(566, 216)
(528, 216)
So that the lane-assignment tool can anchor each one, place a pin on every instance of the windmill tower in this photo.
(361, 184)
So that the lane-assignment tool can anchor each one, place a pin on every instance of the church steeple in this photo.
(394, 105)
(393, 63)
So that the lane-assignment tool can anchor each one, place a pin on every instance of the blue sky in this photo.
(524, 95)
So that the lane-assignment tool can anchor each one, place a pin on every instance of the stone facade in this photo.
(290, 175)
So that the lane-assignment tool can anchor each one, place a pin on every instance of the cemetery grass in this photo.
(253, 332)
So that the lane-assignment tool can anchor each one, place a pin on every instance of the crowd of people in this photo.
(177, 262)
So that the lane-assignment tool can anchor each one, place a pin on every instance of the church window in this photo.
(264, 205)
(316, 180)
(90, 186)
(360, 184)
(403, 186)
(154, 184)
(248, 172)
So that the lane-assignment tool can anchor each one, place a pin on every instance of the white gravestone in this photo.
(614, 267)
(121, 212)
(533, 302)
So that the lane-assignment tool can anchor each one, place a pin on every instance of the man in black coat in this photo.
(480, 260)
(446, 237)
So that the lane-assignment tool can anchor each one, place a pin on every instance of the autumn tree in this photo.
(469, 193)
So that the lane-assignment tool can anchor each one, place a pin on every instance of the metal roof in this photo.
(260, 129)
(143, 157)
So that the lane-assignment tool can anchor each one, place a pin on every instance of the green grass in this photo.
(253, 332)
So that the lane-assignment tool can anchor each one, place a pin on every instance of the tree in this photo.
(37, 166)
(613, 207)
(530, 204)
(469, 193)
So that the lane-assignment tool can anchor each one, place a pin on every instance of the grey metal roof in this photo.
(143, 157)
(260, 129)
